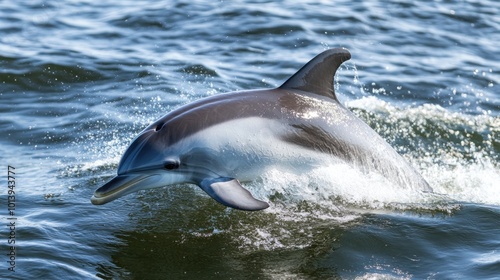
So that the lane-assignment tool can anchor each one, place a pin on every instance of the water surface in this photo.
(79, 79)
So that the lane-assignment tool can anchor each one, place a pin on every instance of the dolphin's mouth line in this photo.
(99, 195)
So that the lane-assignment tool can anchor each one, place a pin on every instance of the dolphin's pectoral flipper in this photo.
(229, 192)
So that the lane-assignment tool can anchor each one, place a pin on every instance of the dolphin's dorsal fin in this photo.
(318, 74)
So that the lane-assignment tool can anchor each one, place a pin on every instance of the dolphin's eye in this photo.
(170, 165)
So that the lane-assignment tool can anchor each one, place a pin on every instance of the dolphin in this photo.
(220, 141)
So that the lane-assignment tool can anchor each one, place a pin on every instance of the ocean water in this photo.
(79, 79)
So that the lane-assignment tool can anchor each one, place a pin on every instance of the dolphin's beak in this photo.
(122, 185)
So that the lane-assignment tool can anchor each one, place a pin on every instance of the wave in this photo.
(457, 153)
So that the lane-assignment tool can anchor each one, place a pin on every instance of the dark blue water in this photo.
(79, 79)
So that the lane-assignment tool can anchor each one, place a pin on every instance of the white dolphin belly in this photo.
(245, 148)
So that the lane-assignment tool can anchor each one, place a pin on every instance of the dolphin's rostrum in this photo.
(221, 140)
